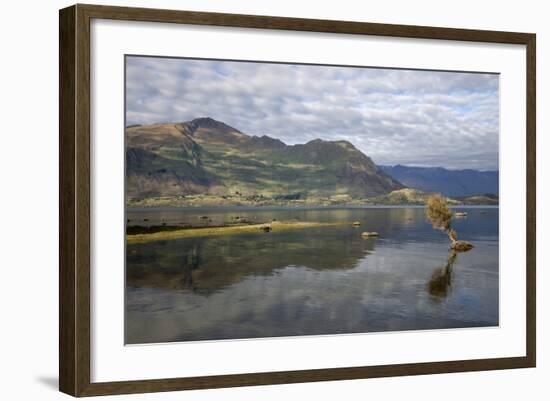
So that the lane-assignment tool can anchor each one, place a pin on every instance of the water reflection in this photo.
(191, 261)
(440, 283)
(316, 281)
(207, 265)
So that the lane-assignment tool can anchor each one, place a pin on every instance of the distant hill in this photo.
(208, 160)
(455, 183)
(411, 196)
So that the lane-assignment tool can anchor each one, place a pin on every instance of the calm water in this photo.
(311, 281)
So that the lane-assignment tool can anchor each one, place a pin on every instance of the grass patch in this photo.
(225, 230)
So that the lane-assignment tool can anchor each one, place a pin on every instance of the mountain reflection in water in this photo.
(325, 280)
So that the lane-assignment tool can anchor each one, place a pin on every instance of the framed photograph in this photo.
(250, 200)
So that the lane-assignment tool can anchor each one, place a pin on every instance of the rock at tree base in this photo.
(461, 246)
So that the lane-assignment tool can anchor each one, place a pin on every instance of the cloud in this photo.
(422, 118)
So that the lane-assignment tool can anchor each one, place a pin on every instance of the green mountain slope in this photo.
(209, 159)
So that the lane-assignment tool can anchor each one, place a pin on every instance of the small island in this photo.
(139, 234)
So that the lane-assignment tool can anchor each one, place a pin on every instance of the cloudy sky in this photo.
(420, 118)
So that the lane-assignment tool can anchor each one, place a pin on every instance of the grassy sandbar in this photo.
(229, 230)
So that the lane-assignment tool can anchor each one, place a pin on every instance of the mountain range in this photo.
(454, 183)
(207, 162)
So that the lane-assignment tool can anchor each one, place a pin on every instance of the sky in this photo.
(410, 117)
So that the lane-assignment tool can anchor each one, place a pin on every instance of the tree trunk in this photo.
(456, 245)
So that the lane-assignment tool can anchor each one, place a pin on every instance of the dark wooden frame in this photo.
(74, 199)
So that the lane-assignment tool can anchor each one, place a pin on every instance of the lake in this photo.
(315, 281)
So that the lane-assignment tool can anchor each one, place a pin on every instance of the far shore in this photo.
(297, 207)
(274, 226)
(404, 197)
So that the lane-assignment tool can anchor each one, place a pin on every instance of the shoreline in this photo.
(402, 197)
(260, 228)
(297, 207)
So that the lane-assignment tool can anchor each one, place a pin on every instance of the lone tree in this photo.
(439, 214)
